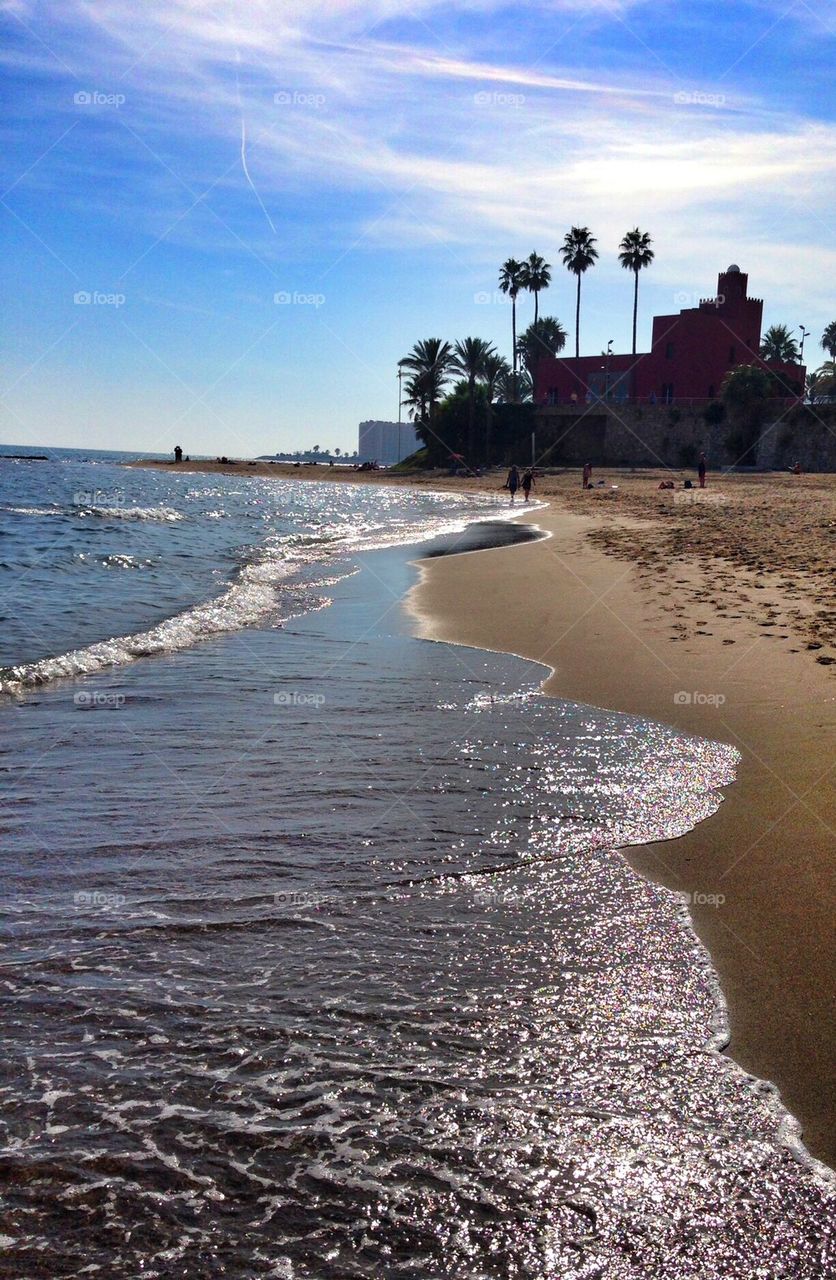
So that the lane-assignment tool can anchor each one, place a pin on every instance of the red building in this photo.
(690, 355)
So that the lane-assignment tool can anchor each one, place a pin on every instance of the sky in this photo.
(225, 222)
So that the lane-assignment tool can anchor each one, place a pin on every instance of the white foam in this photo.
(247, 600)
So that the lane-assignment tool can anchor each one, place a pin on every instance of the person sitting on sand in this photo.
(513, 482)
(795, 469)
(527, 481)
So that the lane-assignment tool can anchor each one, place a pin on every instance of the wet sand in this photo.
(714, 614)
(761, 871)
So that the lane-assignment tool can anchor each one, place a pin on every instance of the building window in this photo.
(669, 351)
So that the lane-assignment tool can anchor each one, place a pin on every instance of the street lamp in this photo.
(400, 405)
(609, 353)
(805, 333)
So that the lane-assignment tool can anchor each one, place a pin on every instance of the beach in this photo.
(324, 955)
(714, 613)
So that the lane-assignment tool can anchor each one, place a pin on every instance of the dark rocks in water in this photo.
(24, 457)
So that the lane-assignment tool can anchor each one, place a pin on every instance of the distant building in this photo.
(387, 442)
(691, 353)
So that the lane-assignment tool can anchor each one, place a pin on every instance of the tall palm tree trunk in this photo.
(471, 420)
(488, 427)
(578, 321)
(536, 305)
(635, 309)
(514, 345)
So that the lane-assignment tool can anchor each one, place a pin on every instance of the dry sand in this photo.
(640, 597)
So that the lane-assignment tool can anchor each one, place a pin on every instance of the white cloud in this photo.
(444, 145)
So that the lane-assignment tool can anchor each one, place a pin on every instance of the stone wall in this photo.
(674, 436)
(807, 435)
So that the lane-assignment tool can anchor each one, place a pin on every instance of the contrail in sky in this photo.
(244, 147)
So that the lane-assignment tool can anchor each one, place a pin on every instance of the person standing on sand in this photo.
(587, 475)
(527, 482)
(513, 482)
(701, 470)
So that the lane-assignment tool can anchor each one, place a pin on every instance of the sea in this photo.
(320, 957)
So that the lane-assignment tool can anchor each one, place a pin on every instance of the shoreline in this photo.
(612, 602)
(765, 853)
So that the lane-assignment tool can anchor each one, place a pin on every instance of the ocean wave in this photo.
(83, 511)
(252, 596)
(132, 513)
(244, 602)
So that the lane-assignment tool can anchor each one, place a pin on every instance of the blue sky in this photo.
(393, 156)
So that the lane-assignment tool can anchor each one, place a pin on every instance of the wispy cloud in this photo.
(471, 128)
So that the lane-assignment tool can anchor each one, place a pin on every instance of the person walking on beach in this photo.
(701, 470)
(513, 482)
(587, 475)
(527, 482)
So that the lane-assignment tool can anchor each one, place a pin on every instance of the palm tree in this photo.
(416, 397)
(634, 255)
(511, 280)
(431, 361)
(821, 385)
(469, 358)
(828, 340)
(537, 275)
(494, 368)
(778, 344)
(515, 388)
(579, 254)
(544, 337)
